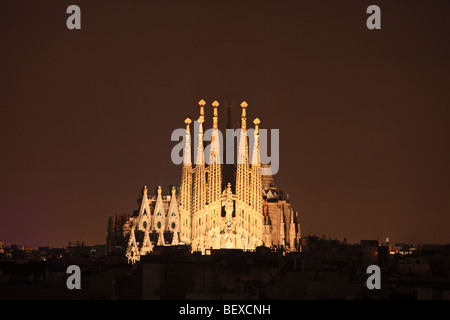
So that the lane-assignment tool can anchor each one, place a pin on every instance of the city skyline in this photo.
(363, 114)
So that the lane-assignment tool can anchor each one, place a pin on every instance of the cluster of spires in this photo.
(205, 188)
(206, 192)
(248, 180)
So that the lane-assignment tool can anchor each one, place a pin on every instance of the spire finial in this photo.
(244, 115)
(188, 121)
(159, 189)
(173, 190)
(257, 122)
(202, 103)
(215, 104)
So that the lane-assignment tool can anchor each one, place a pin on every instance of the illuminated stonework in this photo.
(206, 215)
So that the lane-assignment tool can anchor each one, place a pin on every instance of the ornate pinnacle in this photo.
(187, 121)
(202, 103)
(215, 104)
(243, 115)
(256, 122)
(159, 189)
(173, 190)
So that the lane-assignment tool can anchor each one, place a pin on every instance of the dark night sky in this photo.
(86, 116)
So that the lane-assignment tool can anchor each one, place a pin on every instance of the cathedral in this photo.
(217, 206)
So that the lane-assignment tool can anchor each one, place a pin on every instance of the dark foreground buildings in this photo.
(324, 269)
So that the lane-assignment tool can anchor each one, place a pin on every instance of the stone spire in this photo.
(186, 188)
(159, 213)
(200, 159)
(199, 194)
(292, 233)
(256, 154)
(215, 172)
(256, 184)
(242, 171)
(144, 212)
(187, 145)
(186, 175)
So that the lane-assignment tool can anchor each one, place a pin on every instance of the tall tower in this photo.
(186, 188)
(256, 196)
(215, 171)
(242, 167)
(255, 182)
(199, 193)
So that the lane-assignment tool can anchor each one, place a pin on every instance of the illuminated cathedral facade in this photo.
(216, 206)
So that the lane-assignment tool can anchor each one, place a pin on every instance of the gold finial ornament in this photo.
(188, 121)
(243, 115)
(244, 112)
(202, 103)
(256, 122)
(159, 189)
(215, 104)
